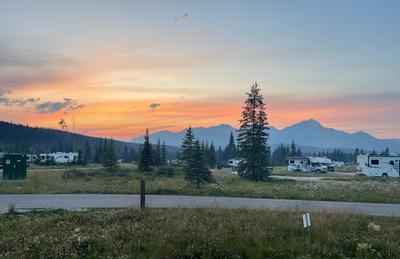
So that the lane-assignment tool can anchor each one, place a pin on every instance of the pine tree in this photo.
(196, 170)
(212, 158)
(293, 152)
(87, 153)
(253, 136)
(109, 156)
(163, 154)
(157, 157)
(126, 155)
(230, 149)
(187, 147)
(146, 158)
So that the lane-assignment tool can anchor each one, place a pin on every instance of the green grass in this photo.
(360, 189)
(195, 233)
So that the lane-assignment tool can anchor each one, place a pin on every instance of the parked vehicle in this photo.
(59, 158)
(310, 165)
(378, 165)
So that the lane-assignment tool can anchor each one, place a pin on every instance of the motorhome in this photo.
(59, 158)
(378, 165)
(310, 164)
(297, 164)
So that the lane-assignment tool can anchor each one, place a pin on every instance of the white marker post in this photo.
(306, 220)
(307, 225)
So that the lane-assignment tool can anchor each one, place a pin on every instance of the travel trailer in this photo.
(310, 164)
(378, 165)
(31, 158)
(59, 158)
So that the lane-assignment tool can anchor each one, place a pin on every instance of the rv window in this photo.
(392, 162)
(291, 161)
(374, 162)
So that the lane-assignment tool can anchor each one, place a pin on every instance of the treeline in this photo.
(34, 140)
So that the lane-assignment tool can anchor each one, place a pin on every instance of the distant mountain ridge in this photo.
(309, 133)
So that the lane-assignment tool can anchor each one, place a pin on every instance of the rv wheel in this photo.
(385, 175)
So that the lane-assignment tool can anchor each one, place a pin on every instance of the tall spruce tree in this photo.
(109, 156)
(163, 154)
(230, 149)
(187, 147)
(196, 170)
(253, 135)
(87, 153)
(146, 158)
(212, 156)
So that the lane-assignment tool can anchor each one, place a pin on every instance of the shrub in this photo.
(168, 171)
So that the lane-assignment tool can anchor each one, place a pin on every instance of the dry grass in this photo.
(361, 189)
(200, 233)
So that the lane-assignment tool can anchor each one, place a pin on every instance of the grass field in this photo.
(92, 180)
(200, 233)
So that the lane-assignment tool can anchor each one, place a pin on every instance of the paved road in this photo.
(25, 202)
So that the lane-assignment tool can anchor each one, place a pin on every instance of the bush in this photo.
(166, 170)
(74, 173)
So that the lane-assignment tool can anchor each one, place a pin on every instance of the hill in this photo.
(20, 138)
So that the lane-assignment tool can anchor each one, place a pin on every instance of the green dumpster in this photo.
(14, 166)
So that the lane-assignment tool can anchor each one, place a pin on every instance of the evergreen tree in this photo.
(212, 158)
(146, 158)
(109, 156)
(187, 147)
(293, 151)
(157, 157)
(253, 137)
(87, 153)
(163, 154)
(230, 149)
(196, 170)
(125, 155)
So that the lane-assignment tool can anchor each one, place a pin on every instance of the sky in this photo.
(115, 68)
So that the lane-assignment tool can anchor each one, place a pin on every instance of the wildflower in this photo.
(363, 246)
(374, 227)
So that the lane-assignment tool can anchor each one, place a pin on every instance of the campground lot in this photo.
(340, 186)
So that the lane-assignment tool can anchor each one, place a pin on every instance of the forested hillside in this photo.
(20, 138)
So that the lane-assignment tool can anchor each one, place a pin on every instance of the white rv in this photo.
(310, 164)
(297, 164)
(59, 157)
(31, 158)
(378, 165)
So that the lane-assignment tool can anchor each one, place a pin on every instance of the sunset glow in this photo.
(144, 67)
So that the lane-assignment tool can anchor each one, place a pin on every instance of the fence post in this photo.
(142, 194)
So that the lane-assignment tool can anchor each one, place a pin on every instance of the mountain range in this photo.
(309, 134)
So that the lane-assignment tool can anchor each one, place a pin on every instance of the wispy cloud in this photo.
(154, 106)
(8, 101)
(51, 107)
(181, 17)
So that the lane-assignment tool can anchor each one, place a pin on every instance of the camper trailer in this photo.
(59, 158)
(310, 164)
(297, 164)
(378, 165)
(31, 158)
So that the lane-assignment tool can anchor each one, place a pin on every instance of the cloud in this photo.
(154, 106)
(215, 33)
(51, 107)
(7, 101)
(181, 17)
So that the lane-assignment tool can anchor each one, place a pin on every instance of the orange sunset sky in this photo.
(118, 67)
